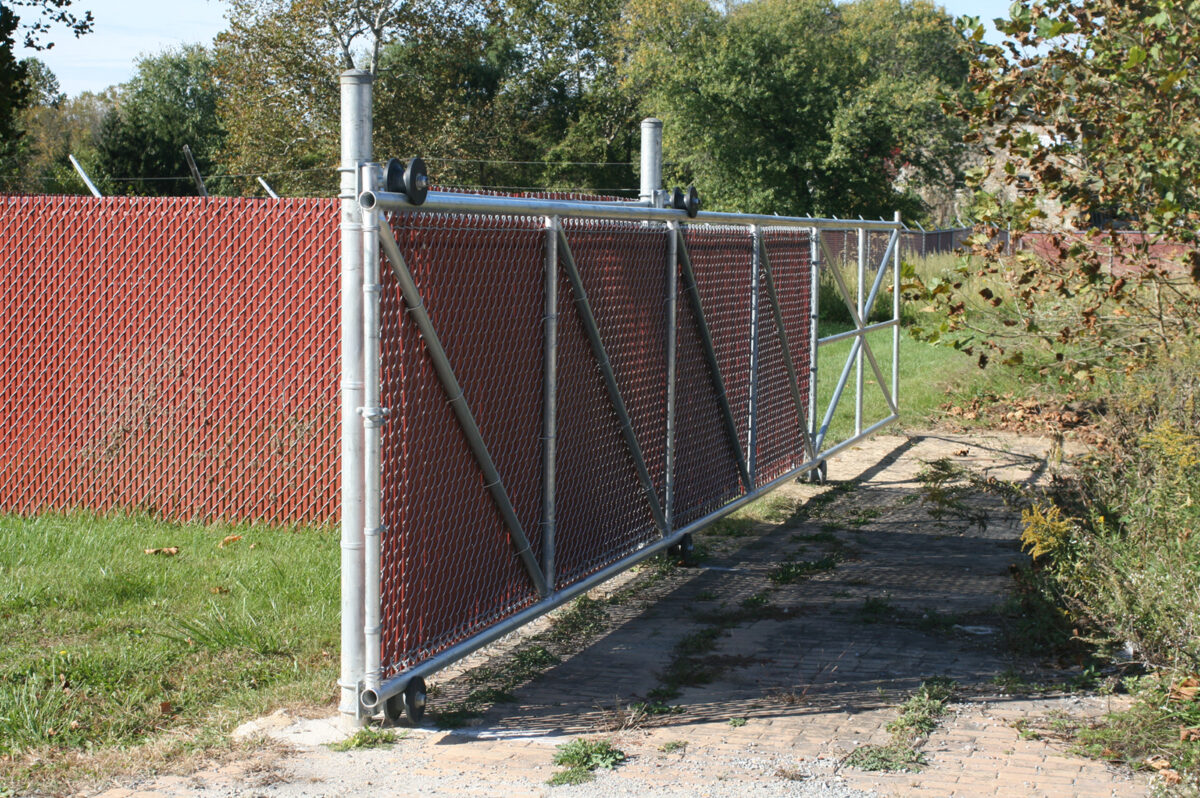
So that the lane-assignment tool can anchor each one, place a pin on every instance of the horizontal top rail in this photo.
(639, 211)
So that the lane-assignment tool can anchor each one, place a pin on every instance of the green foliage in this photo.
(14, 90)
(582, 756)
(1160, 730)
(366, 738)
(801, 107)
(919, 716)
(792, 570)
(890, 758)
(171, 101)
(1125, 558)
(1088, 109)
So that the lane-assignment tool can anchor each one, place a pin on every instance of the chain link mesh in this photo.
(171, 356)
(449, 567)
(780, 424)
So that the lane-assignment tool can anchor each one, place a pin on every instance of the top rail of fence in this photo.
(633, 211)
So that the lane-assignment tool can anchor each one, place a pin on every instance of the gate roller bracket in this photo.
(411, 180)
(688, 203)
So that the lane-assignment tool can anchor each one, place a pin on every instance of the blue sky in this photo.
(126, 29)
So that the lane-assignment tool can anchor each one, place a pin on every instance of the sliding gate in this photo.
(554, 390)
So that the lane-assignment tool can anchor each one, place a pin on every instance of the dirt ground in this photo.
(804, 673)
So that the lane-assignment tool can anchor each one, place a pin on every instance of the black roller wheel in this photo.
(416, 181)
(393, 176)
(691, 203)
(414, 700)
(683, 552)
(393, 709)
(677, 199)
(819, 474)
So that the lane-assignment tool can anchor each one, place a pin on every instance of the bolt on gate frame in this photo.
(511, 439)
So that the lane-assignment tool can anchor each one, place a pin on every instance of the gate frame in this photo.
(365, 233)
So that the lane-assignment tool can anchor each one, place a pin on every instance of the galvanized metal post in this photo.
(372, 420)
(752, 431)
(814, 317)
(858, 364)
(896, 317)
(356, 149)
(651, 171)
(672, 310)
(549, 398)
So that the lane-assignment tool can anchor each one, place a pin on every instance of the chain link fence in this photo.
(176, 357)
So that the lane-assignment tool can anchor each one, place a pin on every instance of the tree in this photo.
(46, 14)
(1092, 108)
(802, 106)
(473, 87)
(171, 101)
(13, 92)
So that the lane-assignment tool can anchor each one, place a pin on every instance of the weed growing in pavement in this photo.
(737, 723)
(918, 717)
(580, 757)
(674, 747)
(790, 570)
(893, 757)
(367, 738)
(876, 610)
(585, 617)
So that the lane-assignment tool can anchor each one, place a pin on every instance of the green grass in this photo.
(926, 372)
(107, 648)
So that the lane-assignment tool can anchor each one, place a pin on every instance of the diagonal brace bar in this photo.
(693, 292)
(788, 363)
(610, 380)
(858, 322)
(462, 411)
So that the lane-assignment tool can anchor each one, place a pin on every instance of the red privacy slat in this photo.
(174, 356)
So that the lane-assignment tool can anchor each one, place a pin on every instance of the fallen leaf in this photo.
(166, 708)
(1185, 690)
(228, 540)
(1171, 776)
(218, 590)
(253, 546)
(1189, 735)
(169, 551)
(1157, 762)
(74, 724)
(962, 453)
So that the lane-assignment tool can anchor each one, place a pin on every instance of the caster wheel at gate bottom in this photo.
(393, 709)
(820, 474)
(414, 700)
(684, 552)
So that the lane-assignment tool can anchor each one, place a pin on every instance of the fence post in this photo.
(550, 399)
(814, 259)
(356, 149)
(896, 316)
(651, 171)
(373, 416)
(858, 365)
(752, 426)
(672, 347)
